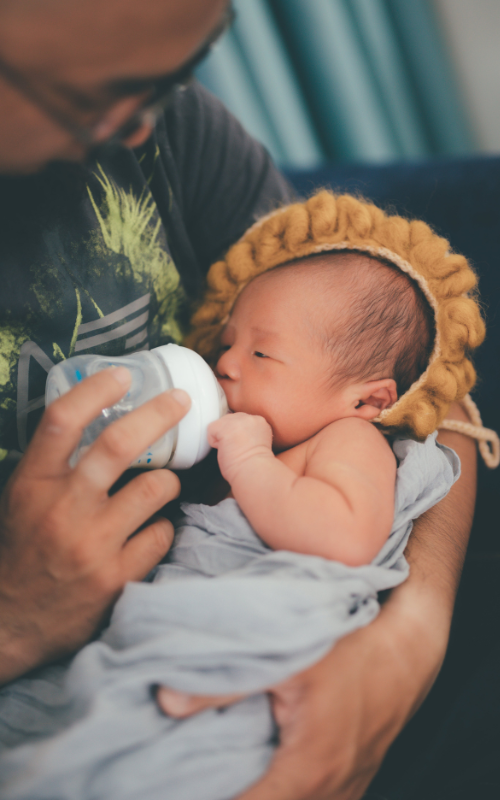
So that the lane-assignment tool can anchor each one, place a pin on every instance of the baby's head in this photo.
(415, 342)
(326, 337)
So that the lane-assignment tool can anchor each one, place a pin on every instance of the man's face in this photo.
(81, 59)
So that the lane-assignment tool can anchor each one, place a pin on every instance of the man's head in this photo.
(70, 66)
(324, 338)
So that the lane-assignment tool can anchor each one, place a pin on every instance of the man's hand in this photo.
(239, 437)
(65, 546)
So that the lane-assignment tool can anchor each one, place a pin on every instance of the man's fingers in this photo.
(127, 438)
(138, 500)
(180, 705)
(146, 549)
(61, 426)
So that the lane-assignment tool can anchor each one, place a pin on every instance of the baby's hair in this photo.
(386, 327)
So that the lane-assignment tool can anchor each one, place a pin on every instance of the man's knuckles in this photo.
(54, 525)
(59, 419)
(123, 440)
(160, 537)
(96, 569)
(167, 409)
(118, 443)
(156, 488)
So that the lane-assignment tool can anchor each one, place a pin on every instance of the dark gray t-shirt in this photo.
(107, 257)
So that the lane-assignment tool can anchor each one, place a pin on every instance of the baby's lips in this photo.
(223, 401)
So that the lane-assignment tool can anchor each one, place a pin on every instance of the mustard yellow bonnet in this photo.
(341, 222)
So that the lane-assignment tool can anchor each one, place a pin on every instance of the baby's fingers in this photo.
(213, 434)
(218, 429)
(180, 705)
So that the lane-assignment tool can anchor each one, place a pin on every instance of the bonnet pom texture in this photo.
(341, 222)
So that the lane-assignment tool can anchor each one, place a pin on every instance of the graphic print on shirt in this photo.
(112, 290)
(85, 344)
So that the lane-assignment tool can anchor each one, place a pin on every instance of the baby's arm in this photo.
(342, 508)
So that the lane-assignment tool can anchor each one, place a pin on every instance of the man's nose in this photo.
(227, 365)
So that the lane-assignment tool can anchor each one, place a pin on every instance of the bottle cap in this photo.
(190, 372)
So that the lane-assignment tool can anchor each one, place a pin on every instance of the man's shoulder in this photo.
(219, 177)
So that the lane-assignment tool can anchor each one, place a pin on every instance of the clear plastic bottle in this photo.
(166, 367)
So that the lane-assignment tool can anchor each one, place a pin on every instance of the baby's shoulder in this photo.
(353, 436)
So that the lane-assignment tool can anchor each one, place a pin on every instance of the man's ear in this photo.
(373, 396)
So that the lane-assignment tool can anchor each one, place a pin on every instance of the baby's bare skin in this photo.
(339, 505)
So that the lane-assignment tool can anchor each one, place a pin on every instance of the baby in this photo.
(313, 351)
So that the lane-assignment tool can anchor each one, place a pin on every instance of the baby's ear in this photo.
(374, 397)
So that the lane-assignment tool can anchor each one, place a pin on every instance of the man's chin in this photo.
(23, 170)
(35, 166)
(41, 199)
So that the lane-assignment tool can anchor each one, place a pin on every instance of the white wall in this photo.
(472, 32)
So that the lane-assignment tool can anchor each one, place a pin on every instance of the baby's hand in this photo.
(239, 437)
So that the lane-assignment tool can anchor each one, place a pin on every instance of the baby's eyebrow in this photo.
(265, 332)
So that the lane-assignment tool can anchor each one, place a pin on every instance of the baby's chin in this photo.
(280, 446)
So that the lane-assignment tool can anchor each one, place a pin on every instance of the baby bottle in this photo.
(167, 367)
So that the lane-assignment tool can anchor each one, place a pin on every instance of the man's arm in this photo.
(338, 718)
(65, 545)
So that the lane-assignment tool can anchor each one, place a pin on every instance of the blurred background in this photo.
(369, 81)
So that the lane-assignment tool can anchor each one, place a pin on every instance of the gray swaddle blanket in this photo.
(226, 614)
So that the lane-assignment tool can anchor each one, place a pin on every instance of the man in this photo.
(105, 257)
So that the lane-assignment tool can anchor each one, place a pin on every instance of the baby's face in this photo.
(274, 363)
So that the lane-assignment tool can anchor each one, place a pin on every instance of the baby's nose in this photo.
(227, 366)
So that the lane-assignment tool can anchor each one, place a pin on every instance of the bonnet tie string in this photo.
(487, 439)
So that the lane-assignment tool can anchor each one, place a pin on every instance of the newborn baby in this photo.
(313, 351)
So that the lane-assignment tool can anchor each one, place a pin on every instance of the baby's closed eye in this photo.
(258, 354)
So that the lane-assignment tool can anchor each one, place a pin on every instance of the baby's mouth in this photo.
(223, 404)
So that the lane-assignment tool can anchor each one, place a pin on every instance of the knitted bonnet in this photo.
(328, 222)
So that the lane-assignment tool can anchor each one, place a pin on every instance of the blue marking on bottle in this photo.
(78, 375)
(148, 461)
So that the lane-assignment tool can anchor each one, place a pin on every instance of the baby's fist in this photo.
(239, 437)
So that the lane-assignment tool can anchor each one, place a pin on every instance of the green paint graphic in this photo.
(130, 227)
(78, 322)
(57, 352)
(44, 284)
(11, 339)
(123, 256)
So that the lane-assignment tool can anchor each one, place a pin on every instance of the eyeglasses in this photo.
(158, 94)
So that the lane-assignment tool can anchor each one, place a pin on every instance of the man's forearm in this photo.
(436, 552)
(437, 546)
